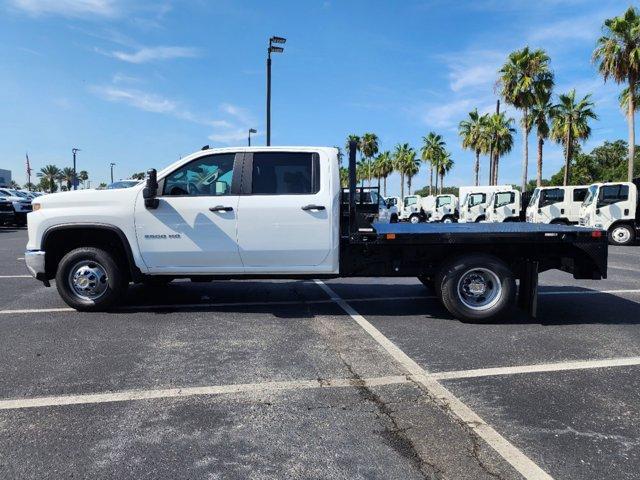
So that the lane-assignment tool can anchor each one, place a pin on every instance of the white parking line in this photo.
(538, 368)
(617, 267)
(517, 459)
(16, 276)
(130, 395)
(181, 306)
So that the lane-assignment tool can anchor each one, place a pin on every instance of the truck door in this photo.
(194, 227)
(285, 213)
(577, 197)
(613, 203)
(552, 204)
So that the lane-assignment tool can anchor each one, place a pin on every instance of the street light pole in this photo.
(112, 165)
(75, 177)
(251, 130)
(270, 50)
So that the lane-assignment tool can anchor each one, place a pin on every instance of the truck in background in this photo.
(614, 207)
(556, 204)
(504, 206)
(474, 201)
(445, 209)
(417, 209)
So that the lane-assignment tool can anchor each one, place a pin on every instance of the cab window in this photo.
(614, 193)
(477, 199)
(443, 201)
(579, 194)
(551, 196)
(206, 176)
(504, 198)
(285, 173)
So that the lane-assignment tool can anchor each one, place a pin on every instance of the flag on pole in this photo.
(28, 171)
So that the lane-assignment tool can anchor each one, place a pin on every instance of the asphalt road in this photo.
(365, 378)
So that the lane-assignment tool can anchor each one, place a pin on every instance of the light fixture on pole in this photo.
(251, 130)
(270, 50)
(112, 165)
(75, 177)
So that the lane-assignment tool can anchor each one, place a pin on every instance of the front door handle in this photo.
(221, 208)
(313, 207)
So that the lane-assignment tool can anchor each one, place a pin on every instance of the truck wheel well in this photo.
(60, 241)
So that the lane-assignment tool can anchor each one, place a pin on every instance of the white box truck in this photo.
(474, 201)
(613, 207)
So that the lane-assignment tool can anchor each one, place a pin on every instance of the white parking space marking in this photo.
(538, 368)
(131, 395)
(16, 276)
(20, 258)
(617, 267)
(179, 306)
(523, 464)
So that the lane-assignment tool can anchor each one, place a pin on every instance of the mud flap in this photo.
(528, 290)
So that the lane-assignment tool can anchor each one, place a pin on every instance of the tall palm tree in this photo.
(399, 155)
(432, 148)
(570, 124)
(540, 114)
(50, 174)
(350, 138)
(83, 176)
(344, 177)
(67, 176)
(473, 132)
(444, 166)
(410, 166)
(383, 167)
(500, 129)
(369, 148)
(525, 72)
(618, 55)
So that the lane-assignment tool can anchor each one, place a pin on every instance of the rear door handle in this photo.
(221, 208)
(313, 207)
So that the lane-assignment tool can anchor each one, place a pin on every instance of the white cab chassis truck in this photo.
(417, 208)
(614, 207)
(276, 212)
(445, 209)
(475, 200)
(556, 204)
(504, 206)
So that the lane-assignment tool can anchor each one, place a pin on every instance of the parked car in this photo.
(7, 215)
(614, 207)
(20, 202)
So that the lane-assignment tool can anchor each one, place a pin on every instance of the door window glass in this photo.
(477, 199)
(443, 201)
(504, 198)
(579, 194)
(551, 196)
(615, 193)
(276, 173)
(206, 176)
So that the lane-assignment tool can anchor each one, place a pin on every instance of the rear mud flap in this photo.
(528, 289)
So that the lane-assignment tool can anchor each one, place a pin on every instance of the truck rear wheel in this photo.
(477, 288)
(621, 234)
(414, 218)
(90, 280)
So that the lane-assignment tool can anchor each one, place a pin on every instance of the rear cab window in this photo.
(285, 173)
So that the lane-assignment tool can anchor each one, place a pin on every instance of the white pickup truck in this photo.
(278, 212)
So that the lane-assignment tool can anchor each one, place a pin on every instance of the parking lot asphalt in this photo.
(357, 378)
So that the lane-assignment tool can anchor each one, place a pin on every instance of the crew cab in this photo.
(504, 206)
(475, 201)
(277, 212)
(556, 204)
(614, 207)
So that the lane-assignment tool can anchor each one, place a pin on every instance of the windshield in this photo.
(591, 194)
(408, 201)
(123, 184)
(534, 197)
(443, 201)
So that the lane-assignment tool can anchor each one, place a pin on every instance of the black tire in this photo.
(621, 234)
(112, 284)
(480, 218)
(500, 283)
(394, 219)
(559, 221)
(415, 218)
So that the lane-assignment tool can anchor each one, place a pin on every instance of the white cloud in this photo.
(69, 8)
(229, 130)
(149, 54)
(473, 69)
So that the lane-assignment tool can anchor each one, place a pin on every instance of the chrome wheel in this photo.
(479, 289)
(88, 280)
(447, 220)
(414, 219)
(621, 234)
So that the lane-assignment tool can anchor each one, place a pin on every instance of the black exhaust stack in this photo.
(353, 224)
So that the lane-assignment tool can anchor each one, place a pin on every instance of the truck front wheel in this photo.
(621, 234)
(90, 280)
(414, 218)
(477, 288)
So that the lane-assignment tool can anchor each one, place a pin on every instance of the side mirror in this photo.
(151, 190)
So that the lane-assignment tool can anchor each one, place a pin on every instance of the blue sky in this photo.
(141, 83)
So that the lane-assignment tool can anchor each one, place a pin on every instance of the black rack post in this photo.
(353, 224)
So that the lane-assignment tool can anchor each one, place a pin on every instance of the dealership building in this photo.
(5, 177)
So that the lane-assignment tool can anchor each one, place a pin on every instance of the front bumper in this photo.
(35, 263)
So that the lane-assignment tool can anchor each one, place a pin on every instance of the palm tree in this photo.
(83, 176)
(410, 166)
(50, 175)
(432, 147)
(618, 54)
(369, 148)
(398, 163)
(525, 73)
(355, 138)
(67, 176)
(344, 177)
(382, 168)
(540, 114)
(473, 132)
(340, 154)
(444, 166)
(13, 184)
(570, 123)
(500, 129)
